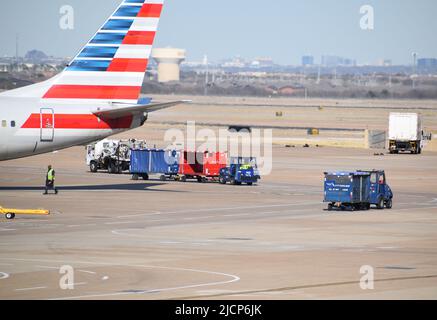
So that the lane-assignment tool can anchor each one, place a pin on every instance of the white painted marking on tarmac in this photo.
(231, 208)
(141, 215)
(105, 278)
(46, 267)
(233, 278)
(121, 222)
(31, 289)
(4, 229)
(6, 264)
(87, 271)
(3, 275)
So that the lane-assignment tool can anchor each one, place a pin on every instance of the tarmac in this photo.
(129, 239)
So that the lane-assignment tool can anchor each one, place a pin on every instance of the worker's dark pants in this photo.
(50, 185)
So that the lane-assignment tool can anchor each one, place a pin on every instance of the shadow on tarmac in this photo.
(114, 187)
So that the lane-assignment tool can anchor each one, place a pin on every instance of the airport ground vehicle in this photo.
(241, 170)
(405, 133)
(357, 190)
(111, 155)
(201, 166)
(144, 162)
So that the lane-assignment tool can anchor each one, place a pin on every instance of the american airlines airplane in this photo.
(96, 96)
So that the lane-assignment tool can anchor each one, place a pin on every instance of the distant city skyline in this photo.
(285, 30)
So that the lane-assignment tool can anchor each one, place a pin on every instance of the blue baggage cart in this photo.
(145, 162)
(347, 190)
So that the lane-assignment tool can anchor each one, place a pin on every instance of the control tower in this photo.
(168, 60)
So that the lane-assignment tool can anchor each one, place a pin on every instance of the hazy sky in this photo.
(282, 29)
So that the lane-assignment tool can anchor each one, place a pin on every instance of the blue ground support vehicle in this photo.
(145, 162)
(241, 170)
(380, 192)
(357, 190)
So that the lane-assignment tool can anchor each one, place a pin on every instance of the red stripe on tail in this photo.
(150, 10)
(140, 37)
(128, 65)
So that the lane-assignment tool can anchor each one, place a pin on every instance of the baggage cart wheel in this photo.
(145, 176)
(250, 183)
(162, 178)
(183, 179)
(135, 177)
(380, 204)
(222, 180)
(10, 215)
(330, 207)
(389, 204)
(204, 180)
(233, 182)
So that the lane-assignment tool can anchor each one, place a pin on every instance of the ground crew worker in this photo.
(50, 180)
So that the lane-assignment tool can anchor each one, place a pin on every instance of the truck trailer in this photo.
(405, 133)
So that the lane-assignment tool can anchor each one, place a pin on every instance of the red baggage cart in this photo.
(201, 166)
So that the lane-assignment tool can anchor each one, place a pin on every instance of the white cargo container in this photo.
(405, 133)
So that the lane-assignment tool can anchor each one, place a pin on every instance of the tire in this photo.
(10, 215)
(222, 180)
(199, 179)
(162, 178)
(94, 167)
(145, 176)
(112, 168)
(204, 180)
(183, 179)
(330, 207)
(135, 177)
(389, 204)
(233, 182)
(250, 183)
(380, 204)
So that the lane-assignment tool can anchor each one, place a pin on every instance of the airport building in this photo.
(307, 61)
(335, 61)
(427, 63)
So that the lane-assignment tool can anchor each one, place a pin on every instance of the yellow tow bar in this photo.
(10, 213)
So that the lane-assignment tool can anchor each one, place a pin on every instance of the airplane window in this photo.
(4, 123)
(13, 124)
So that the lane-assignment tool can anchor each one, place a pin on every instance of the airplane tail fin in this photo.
(112, 65)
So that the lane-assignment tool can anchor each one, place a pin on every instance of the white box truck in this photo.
(405, 133)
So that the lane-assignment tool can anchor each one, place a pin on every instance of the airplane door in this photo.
(47, 124)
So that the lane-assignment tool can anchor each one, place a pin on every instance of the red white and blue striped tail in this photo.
(111, 67)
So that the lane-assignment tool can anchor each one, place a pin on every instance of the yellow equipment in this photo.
(10, 213)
